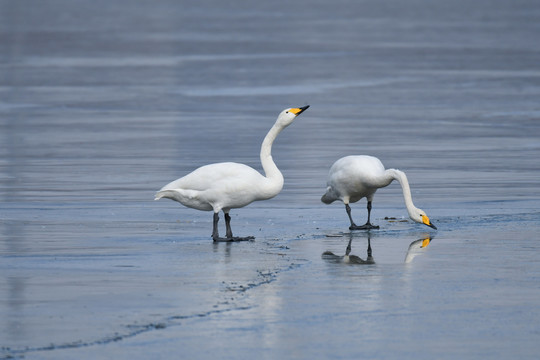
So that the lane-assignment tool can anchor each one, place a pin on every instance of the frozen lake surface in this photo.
(104, 102)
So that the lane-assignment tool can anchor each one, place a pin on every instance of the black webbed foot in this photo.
(233, 239)
(366, 226)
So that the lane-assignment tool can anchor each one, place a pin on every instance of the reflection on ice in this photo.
(417, 247)
(347, 258)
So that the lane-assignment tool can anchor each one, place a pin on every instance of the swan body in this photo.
(354, 177)
(228, 185)
(221, 186)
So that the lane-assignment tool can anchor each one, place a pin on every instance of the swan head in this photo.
(420, 216)
(287, 116)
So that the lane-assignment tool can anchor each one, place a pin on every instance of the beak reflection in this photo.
(418, 247)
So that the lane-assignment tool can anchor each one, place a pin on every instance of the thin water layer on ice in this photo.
(102, 104)
(281, 296)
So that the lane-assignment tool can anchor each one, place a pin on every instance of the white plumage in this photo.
(354, 177)
(225, 186)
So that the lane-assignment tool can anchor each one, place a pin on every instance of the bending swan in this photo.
(229, 185)
(354, 177)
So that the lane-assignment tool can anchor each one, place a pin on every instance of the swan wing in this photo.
(354, 177)
(207, 176)
(218, 186)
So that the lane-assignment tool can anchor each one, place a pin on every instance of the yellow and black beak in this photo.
(426, 221)
(298, 111)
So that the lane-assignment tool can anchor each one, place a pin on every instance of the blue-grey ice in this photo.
(103, 102)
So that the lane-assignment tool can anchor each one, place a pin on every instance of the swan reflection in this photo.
(347, 258)
(417, 247)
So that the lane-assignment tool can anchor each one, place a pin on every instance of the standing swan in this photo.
(229, 185)
(353, 177)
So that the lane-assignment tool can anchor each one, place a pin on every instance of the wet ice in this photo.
(101, 104)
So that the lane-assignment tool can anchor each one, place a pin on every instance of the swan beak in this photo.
(426, 221)
(298, 111)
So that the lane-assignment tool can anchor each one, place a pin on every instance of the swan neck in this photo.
(271, 171)
(404, 182)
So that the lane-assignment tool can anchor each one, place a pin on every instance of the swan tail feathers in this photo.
(176, 194)
(163, 194)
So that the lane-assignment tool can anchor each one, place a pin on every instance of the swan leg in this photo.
(369, 216)
(367, 225)
(215, 232)
(228, 236)
(348, 209)
(228, 226)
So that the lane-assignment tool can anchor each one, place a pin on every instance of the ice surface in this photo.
(104, 102)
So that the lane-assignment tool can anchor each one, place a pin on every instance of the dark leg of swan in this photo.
(367, 225)
(348, 209)
(215, 232)
(228, 226)
(229, 231)
(229, 236)
(369, 216)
